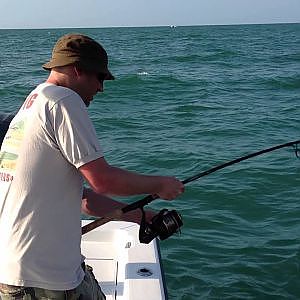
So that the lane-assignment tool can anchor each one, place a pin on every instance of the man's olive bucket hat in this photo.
(82, 50)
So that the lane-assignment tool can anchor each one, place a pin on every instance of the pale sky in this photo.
(112, 13)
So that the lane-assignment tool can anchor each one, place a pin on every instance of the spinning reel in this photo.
(163, 225)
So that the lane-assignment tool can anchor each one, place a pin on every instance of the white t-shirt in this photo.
(41, 188)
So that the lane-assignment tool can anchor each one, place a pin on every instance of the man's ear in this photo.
(78, 71)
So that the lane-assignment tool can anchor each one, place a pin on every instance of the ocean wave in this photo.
(287, 83)
(287, 58)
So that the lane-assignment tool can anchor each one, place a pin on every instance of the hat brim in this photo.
(109, 76)
(70, 60)
(59, 62)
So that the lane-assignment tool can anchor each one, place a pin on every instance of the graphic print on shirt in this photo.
(9, 150)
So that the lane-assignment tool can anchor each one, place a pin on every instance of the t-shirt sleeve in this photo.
(74, 132)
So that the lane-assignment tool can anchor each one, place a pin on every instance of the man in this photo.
(50, 146)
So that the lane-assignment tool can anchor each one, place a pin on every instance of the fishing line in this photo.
(297, 150)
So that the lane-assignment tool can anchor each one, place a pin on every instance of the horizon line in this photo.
(147, 26)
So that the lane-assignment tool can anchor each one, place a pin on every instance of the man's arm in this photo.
(106, 179)
(97, 205)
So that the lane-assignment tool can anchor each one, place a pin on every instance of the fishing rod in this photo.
(171, 220)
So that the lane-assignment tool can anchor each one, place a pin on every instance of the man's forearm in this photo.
(109, 180)
(125, 183)
(98, 205)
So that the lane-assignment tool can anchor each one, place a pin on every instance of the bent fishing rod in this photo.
(166, 216)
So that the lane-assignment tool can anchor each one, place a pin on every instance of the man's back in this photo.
(41, 189)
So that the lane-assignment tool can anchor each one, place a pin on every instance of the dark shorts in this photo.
(88, 289)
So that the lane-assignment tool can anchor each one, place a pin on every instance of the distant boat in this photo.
(172, 26)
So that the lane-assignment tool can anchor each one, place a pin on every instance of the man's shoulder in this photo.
(56, 94)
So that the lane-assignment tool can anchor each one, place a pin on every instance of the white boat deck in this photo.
(124, 268)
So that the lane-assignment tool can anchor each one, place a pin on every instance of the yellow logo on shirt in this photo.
(10, 147)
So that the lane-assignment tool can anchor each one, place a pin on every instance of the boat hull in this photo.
(124, 268)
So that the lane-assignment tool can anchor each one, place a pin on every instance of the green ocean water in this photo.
(184, 100)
